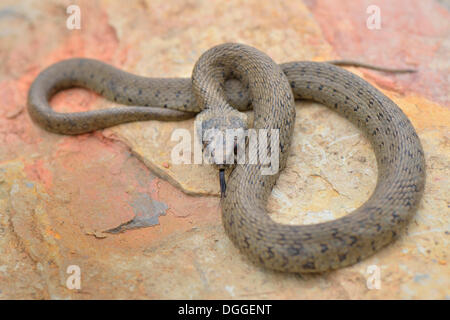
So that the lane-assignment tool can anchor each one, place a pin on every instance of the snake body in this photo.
(232, 77)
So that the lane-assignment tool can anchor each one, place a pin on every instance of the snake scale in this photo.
(232, 77)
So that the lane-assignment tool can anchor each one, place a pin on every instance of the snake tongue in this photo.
(223, 185)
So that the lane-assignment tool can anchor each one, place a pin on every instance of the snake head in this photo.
(222, 135)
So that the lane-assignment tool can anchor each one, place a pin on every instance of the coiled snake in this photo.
(233, 77)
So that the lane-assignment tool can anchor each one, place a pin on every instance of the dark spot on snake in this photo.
(373, 245)
(270, 253)
(310, 265)
(261, 260)
(334, 232)
(247, 244)
(260, 233)
(342, 257)
(285, 262)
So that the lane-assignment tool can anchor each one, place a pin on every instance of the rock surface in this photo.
(59, 195)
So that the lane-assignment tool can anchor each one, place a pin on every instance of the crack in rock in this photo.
(147, 212)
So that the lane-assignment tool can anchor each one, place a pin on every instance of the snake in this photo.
(231, 78)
